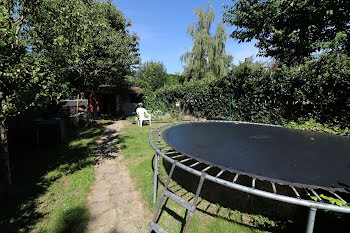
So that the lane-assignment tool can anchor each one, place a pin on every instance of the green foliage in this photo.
(88, 40)
(208, 98)
(151, 76)
(333, 201)
(174, 79)
(208, 58)
(323, 91)
(26, 77)
(312, 125)
(48, 47)
(289, 31)
(319, 89)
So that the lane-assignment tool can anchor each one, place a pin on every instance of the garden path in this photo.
(114, 203)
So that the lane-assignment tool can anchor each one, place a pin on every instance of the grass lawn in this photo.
(51, 187)
(210, 217)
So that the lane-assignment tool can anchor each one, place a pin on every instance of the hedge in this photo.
(320, 89)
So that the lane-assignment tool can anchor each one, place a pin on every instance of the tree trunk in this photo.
(4, 153)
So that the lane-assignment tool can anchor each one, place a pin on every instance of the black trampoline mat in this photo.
(277, 154)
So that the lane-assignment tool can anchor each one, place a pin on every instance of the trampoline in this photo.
(300, 160)
(282, 155)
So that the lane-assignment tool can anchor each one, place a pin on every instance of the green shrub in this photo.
(312, 125)
(320, 90)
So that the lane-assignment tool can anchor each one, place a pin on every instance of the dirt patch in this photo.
(114, 203)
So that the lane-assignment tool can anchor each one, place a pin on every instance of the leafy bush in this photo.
(312, 125)
(320, 90)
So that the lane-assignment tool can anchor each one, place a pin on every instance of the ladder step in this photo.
(155, 227)
(179, 200)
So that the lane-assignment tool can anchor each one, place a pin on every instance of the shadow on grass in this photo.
(221, 202)
(72, 220)
(33, 173)
(172, 213)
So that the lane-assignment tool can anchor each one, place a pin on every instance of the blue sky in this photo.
(162, 24)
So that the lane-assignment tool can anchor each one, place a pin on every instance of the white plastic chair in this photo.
(142, 115)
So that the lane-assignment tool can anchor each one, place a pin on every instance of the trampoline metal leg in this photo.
(155, 185)
(311, 220)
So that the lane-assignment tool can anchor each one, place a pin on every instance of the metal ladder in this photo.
(166, 193)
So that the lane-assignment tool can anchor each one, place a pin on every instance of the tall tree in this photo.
(25, 77)
(207, 57)
(289, 30)
(151, 76)
(47, 46)
(219, 62)
(88, 40)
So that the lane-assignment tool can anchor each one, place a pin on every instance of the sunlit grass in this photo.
(64, 203)
(138, 152)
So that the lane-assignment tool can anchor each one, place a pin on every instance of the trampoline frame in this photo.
(156, 141)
